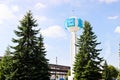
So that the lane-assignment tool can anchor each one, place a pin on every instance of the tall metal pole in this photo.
(56, 60)
(119, 55)
(55, 69)
(73, 51)
(73, 24)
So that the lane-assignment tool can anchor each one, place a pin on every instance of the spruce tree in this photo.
(29, 56)
(6, 65)
(87, 64)
(105, 72)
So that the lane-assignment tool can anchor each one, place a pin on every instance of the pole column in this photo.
(72, 52)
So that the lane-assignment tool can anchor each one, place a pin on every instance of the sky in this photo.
(103, 15)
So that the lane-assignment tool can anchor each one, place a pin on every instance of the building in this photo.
(58, 71)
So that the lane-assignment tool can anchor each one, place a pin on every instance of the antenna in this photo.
(119, 55)
(56, 60)
(73, 12)
(55, 70)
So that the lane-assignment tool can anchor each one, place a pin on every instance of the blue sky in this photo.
(104, 16)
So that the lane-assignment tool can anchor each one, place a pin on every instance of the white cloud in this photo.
(107, 49)
(45, 3)
(108, 1)
(48, 47)
(15, 8)
(113, 17)
(54, 32)
(40, 6)
(5, 13)
(41, 18)
(117, 29)
(59, 1)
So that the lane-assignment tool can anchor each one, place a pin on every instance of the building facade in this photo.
(58, 72)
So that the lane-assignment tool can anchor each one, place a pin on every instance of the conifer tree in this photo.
(5, 65)
(105, 72)
(29, 56)
(87, 61)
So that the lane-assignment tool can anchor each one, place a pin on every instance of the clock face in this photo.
(71, 22)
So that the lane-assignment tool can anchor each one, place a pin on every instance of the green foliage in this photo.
(105, 72)
(68, 73)
(109, 72)
(113, 73)
(87, 61)
(5, 65)
(29, 61)
(118, 77)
